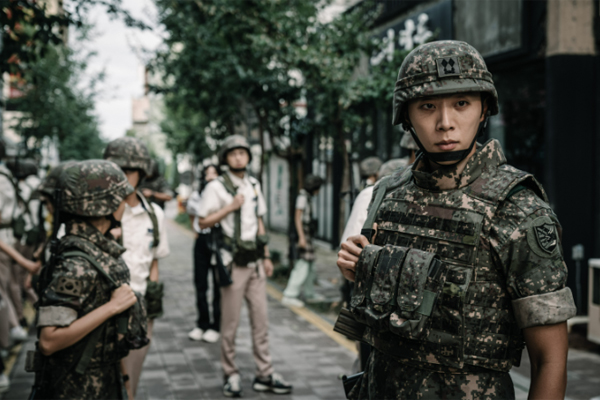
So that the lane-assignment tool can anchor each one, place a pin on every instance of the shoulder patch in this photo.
(542, 237)
(69, 286)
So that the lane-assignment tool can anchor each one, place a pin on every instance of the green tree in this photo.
(56, 104)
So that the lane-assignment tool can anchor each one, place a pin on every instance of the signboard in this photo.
(434, 22)
(278, 193)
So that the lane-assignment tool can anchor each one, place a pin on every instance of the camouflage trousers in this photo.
(102, 382)
(386, 378)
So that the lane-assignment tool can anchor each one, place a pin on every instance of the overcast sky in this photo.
(119, 55)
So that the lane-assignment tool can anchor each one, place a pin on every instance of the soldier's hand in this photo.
(147, 192)
(122, 298)
(238, 200)
(116, 233)
(268, 265)
(302, 242)
(348, 255)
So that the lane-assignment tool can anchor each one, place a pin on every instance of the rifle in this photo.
(35, 361)
(222, 274)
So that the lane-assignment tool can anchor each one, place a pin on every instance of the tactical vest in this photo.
(429, 287)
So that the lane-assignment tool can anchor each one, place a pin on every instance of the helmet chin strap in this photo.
(457, 155)
(237, 169)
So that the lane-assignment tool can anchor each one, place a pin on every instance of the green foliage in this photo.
(55, 105)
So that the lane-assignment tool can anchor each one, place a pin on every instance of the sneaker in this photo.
(316, 298)
(196, 334)
(233, 386)
(211, 336)
(292, 302)
(18, 334)
(275, 384)
(4, 383)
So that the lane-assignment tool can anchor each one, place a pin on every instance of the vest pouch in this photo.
(362, 281)
(382, 296)
(420, 284)
(245, 252)
(136, 324)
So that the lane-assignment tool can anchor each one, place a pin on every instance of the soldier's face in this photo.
(238, 158)
(446, 123)
(133, 176)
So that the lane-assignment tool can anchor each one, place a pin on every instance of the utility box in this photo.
(594, 301)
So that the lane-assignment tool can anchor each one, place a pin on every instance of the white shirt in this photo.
(359, 213)
(138, 238)
(215, 197)
(303, 203)
(193, 208)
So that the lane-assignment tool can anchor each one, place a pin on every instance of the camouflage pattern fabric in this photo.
(233, 142)
(50, 182)
(439, 68)
(388, 167)
(369, 166)
(312, 183)
(129, 153)
(93, 188)
(386, 378)
(158, 184)
(77, 286)
(502, 265)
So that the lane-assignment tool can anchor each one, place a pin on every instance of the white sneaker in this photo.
(18, 334)
(4, 383)
(233, 386)
(196, 334)
(292, 302)
(211, 336)
(316, 298)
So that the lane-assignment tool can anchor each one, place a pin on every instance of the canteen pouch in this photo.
(362, 281)
(245, 252)
(261, 242)
(382, 295)
(420, 285)
(135, 325)
(154, 299)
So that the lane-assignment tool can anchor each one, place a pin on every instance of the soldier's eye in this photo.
(427, 106)
(462, 103)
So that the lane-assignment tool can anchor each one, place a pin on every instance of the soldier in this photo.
(155, 187)
(303, 274)
(88, 289)
(144, 237)
(235, 201)
(409, 143)
(469, 266)
(368, 170)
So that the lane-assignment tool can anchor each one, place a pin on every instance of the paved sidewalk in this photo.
(177, 368)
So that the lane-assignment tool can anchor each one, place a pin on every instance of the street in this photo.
(301, 346)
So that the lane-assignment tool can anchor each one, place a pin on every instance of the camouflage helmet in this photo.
(129, 153)
(369, 166)
(439, 68)
(388, 167)
(92, 188)
(154, 170)
(312, 183)
(408, 142)
(50, 182)
(233, 142)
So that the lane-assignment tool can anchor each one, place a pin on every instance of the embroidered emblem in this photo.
(448, 66)
(69, 286)
(546, 237)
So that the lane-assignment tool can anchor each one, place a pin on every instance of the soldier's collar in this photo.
(487, 156)
(91, 234)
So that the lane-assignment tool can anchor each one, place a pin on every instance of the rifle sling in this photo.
(367, 229)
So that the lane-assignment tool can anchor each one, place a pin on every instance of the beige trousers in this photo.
(18, 279)
(7, 310)
(135, 361)
(249, 284)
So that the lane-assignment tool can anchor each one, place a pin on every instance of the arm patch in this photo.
(69, 286)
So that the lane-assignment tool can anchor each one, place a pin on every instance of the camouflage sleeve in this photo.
(530, 251)
(63, 300)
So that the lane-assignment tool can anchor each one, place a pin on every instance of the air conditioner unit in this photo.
(594, 301)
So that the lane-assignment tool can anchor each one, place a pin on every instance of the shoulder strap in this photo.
(94, 262)
(237, 216)
(229, 186)
(150, 210)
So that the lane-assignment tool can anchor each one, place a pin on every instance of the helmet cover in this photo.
(129, 153)
(441, 68)
(93, 188)
(369, 166)
(388, 167)
(233, 142)
(312, 182)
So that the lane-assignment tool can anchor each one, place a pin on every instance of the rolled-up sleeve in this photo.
(537, 272)
(64, 298)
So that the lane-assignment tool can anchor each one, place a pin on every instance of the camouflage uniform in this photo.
(460, 264)
(91, 188)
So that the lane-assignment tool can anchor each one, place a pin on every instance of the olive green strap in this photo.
(92, 261)
(88, 352)
(150, 210)
(237, 216)
(367, 229)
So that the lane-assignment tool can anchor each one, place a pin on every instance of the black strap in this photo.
(150, 210)
(367, 229)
